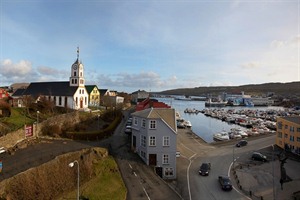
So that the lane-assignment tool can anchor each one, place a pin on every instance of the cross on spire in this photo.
(77, 53)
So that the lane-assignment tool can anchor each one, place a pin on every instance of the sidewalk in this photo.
(262, 181)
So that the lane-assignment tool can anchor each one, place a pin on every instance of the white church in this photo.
(69, 94)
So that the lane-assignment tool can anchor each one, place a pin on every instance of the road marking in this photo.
(228, 173)
(130, 166)
(135, 174)
(187, 148)
(187, 175)
(146, 193)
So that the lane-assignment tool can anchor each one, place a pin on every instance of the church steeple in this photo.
(77, 53)
(77, 78)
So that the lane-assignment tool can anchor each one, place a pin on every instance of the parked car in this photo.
(128, 130)
(258, 156)
(204, 169)
(225, 183)
(241, 143)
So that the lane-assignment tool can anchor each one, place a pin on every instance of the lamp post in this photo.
(37, 122)
(72, 165)
(274, 192)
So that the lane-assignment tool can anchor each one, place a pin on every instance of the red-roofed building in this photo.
(150, 103)
(3, 93)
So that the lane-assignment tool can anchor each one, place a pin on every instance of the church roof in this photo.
(50, 89)
(18, 92)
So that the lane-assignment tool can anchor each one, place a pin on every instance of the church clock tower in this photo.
(77, 78)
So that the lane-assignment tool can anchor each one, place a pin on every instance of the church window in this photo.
(75, 81)
(59, 100)
(74, 73)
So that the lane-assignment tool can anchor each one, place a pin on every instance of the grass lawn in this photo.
(106, 185)
(17, 119)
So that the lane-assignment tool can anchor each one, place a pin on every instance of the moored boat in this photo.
(221, 136)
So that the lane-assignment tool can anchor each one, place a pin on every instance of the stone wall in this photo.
(13, 138)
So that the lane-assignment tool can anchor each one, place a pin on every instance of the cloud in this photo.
(143, 80)
(251, 65)
(8, 68)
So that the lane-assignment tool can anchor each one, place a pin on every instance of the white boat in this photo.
(188, 124)
(221, 136)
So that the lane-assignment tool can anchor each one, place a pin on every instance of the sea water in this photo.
(202, 125)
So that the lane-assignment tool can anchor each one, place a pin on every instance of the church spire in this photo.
(77, 53)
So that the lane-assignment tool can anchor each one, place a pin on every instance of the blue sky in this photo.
(150, 45)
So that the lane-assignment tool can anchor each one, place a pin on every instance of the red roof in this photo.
(150, 103)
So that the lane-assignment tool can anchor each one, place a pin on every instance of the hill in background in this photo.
(290, 89)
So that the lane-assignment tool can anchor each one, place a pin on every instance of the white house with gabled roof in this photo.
(154, 136)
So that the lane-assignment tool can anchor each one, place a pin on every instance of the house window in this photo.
(143, 123)
(169, 171)
(292, 138)
(298, 139)
(279, 125)
(143, 141)
(165, 159)
(286, 126)
(135, 121)
(152, 124)
(285, 135)
(143, 154)
(152, 141)
(298, 129)
(166, 141)
(292, 129)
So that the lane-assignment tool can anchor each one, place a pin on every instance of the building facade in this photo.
(94, 95)
(154, 137)
(288, 133)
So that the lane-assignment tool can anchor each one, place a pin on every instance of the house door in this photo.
(159, 171)
(152, 159)
(81, 102)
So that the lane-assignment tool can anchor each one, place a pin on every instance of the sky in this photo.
(130, 45)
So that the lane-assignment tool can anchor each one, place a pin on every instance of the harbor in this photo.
(205, 122)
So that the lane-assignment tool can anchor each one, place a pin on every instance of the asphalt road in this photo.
(194, 151)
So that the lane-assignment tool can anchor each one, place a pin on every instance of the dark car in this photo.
(241, 143)
(225, 183)
(204, 169)
(258, 156)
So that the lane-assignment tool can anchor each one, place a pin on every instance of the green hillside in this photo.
(280, 89)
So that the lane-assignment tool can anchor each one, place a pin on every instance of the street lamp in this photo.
(37, 122)
(72, 165)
